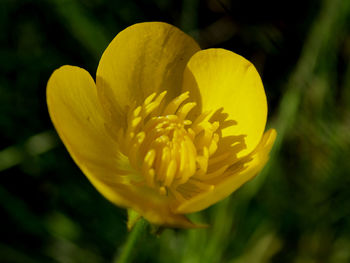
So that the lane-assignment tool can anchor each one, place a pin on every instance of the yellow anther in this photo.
(150, 98)
(202, 161)
(162, 190)
(191, 133)
(170, 173)
(171, 117)
(213, 146)
(131, 135)
(150, 108)
(187, 122)
(160, 97)
(150, 174)
(149, 158)
(185, 109)
(175, 103)
(161, 168)
(137, 111)
(176, 155)
(140, 137)
(136, 121)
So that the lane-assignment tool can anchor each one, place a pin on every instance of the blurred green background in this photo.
(297, 210)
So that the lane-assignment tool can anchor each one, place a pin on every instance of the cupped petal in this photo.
(231, 183)
(78, 118)
(229, 81)
(142, 59)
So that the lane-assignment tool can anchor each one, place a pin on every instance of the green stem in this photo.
(138, 230)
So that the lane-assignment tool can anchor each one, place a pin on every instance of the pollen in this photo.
(175, 154)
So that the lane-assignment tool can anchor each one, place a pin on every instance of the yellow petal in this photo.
(232, 182)
(142, 59)
(229, 81)
(77, 116)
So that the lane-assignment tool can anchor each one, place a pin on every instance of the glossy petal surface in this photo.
(142, 59)
(77, 116)
(229, 81)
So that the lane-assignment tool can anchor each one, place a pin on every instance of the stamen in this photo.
(170, 173)
(185, 109)
(162, 190)
(175, 103)
(202, 162)
(177, 156)
(149, 108)
(149, 99)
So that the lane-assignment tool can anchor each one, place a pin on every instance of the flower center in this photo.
(168, 149)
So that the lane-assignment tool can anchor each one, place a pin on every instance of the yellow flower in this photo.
(167, 129)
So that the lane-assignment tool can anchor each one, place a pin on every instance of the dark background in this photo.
(297, 210)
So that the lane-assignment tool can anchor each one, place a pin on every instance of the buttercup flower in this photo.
(167, 129)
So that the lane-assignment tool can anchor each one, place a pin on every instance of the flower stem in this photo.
(138, 230)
